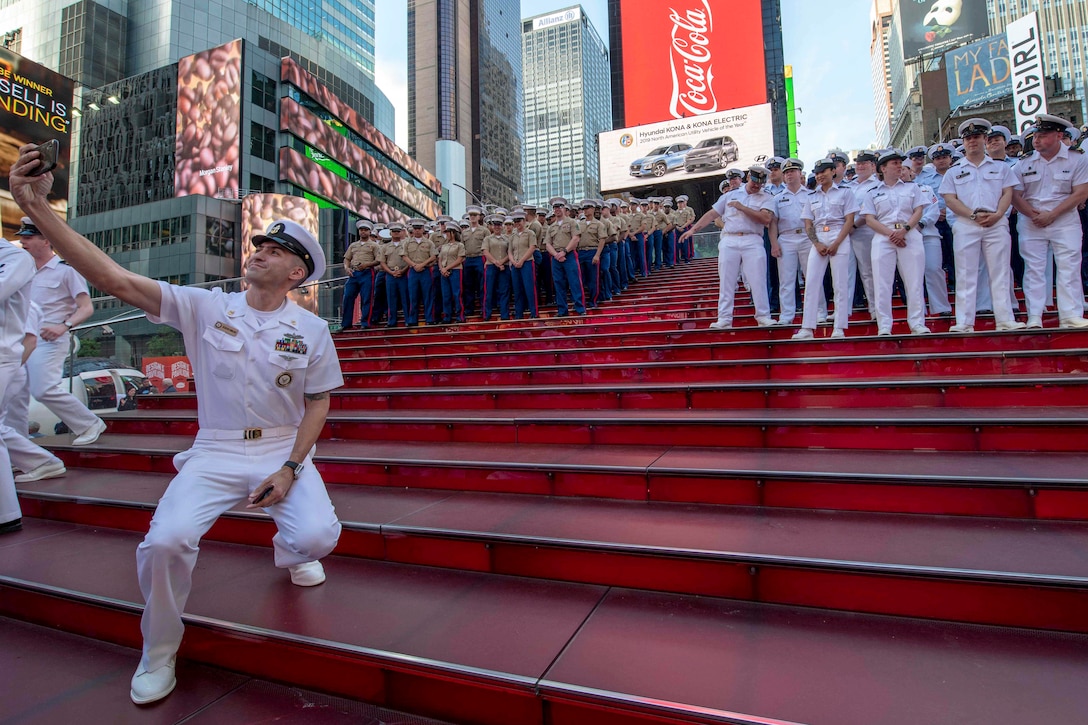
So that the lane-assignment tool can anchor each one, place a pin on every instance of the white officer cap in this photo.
(974, 127)
(518, 214)
(667, 201)
(417, 222)
(889, 155)
(364, 224)
(587, 204)
(1000, 131)
(792, 163)
(529, 208)
(1073, 133)
(396, 227)
(1015, 139)
(385, 235)
(473, 209)
(914, 152)
(464, 224)
(734, 173)
(557, 201)
(775, 162)
(1047, 122)
(508, 220)
(938, 149)
(724, 184)
(825, 164)
(499, 211)
(295, 238)
(28, 228)
(838, 157)
(682, 197)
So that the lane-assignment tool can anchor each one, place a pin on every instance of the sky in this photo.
(826, 43)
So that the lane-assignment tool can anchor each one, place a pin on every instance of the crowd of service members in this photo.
(511, 262)
(895, 221)
(977, 209)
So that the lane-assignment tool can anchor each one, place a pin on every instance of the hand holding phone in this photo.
(48, 155)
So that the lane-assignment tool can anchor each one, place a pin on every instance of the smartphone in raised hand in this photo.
(50, 151)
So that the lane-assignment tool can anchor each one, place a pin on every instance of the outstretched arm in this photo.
(31, 194)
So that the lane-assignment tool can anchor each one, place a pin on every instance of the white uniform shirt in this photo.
(932, 212)
(250, 373)
(978, 187)
(56, 287)
(860, 189)
(787, 207)
(1046, 184)
(734, 221)
(894, 204)
(16, 283)
(827, 210)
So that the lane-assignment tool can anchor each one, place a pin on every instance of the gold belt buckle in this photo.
(827, 229)
(251, 434)
(798, 231)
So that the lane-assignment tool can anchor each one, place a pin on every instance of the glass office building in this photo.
(464, 97)
(567, 103)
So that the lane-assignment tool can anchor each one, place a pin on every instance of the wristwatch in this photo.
(296, 468)
(907, 227)
(67, 324)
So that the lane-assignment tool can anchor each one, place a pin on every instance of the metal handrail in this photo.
(130, 316)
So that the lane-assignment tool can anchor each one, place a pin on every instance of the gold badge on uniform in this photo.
(276, 228)
(232, 331)
(283, 380)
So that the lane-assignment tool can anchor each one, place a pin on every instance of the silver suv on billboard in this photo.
(718, 152)
(661, 160)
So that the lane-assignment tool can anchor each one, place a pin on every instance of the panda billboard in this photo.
(931, 27)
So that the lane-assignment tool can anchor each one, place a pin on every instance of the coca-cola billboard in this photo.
(684, 58)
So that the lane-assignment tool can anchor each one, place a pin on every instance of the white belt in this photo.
(247, 434)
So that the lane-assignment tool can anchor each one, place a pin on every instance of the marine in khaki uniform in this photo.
(451, 258)
(473, 276)
(523, 253)
(496, 250)
(590, 249)
(637, 229)
(562, 242)
(535, 223)
(612, 248)
(361, 262)
(686, 217)
(419, 253)
(396, 273)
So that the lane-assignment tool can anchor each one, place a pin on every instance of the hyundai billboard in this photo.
(687, 58)
(684, 149)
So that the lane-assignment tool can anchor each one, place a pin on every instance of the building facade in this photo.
(880, 20)
(567, 103)
(465, 97)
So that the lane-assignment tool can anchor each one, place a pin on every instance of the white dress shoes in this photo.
(309, 574)
(50, 469)
(148, 687)
(90, 435)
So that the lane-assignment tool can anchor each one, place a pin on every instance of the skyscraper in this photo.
(464, 96)
(567, 103)
(880, 19)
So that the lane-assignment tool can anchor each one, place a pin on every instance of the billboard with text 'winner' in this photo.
(688, 148)
(35, 106)
(684, 58)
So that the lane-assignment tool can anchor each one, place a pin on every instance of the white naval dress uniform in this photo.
(56, 286)
(14, 410)
(741, 248)
(16, 276)
(892, 205)
(1045, 185)
(980, 187)
(936, 280)
(252, 370)
(827, 210)
(861, 241)
(795, 246)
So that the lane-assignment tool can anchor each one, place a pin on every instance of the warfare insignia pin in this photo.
(276, 228)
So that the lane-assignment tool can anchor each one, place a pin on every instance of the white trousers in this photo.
(738, 252)
(791, 269)
(25, 454)
(9, 500)
(213, 476)
(972, 242)
(911, 261)
(1065, 242)
(862, 242)
(936, 281)
(840, 278)
(45, 368)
